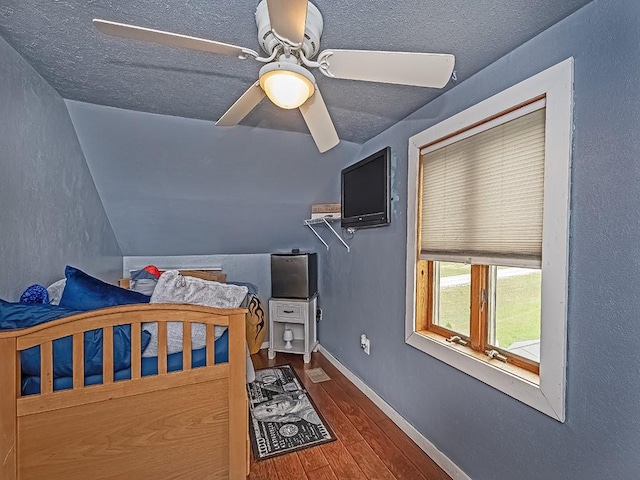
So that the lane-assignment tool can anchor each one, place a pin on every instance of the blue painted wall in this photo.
(485, 432)
(50, 211)
(247, 190)
(177, 186)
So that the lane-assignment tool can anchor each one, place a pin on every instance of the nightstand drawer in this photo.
(290, 311)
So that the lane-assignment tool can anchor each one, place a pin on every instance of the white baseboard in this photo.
(429, 448)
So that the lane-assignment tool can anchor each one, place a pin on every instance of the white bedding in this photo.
(172, 287)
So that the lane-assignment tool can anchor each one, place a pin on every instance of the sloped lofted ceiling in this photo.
(58, 39)
(175, 186)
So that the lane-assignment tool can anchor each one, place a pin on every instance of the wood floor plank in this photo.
(264, 470)
(324, 473)
(343, 400)
(363, 435)
(289, 468)
(416, 455)
(341, 461)
(312, 459)
(339, 423)
(364, 402)
(260, 360)
(393, 458)
(369, 462)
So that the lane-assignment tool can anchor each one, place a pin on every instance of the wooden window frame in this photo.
(478, 340)
(545, 391)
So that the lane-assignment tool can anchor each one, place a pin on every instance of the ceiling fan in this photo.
(289, 32)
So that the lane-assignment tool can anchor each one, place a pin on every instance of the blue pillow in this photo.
(84, 292)
(20, 315)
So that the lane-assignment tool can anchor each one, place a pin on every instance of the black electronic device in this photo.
(366, 191)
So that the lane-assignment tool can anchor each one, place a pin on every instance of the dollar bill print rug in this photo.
(283, 416)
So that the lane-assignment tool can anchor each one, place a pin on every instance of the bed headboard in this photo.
(213, 275)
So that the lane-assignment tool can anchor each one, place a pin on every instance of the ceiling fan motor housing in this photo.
(312, 31)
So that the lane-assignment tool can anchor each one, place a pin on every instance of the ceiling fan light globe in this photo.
(285, 86)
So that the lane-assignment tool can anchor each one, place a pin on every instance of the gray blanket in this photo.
(172, 287)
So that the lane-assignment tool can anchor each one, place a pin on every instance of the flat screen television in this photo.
(366, 197)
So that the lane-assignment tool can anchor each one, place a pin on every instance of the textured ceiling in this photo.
(58, 39)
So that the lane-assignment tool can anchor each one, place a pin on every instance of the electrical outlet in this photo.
(318, 315)
(365, 344)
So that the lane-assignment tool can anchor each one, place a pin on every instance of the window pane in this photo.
(515, 317)
(453, 293)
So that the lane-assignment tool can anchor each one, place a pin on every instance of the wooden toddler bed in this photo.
(187, 424)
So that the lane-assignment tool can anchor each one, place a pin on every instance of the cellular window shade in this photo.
(482, 195)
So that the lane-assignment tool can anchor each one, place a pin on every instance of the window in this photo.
(481, 202)
(488, 208)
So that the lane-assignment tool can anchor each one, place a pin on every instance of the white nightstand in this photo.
(299, 315)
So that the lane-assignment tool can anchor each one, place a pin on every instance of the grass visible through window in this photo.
(517, 305)
(518, 308)
(455, 289)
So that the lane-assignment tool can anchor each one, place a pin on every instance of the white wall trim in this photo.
(444, 462)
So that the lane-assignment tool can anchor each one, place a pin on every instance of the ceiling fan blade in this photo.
(243, 106)
(171, 39)
(288, 19)
(319, 122)
(403, 68)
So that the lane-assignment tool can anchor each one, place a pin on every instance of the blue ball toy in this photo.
(35, 294)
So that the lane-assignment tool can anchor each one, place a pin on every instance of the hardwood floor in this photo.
(369, 444)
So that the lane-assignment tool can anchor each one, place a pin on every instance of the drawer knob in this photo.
(288, 311)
